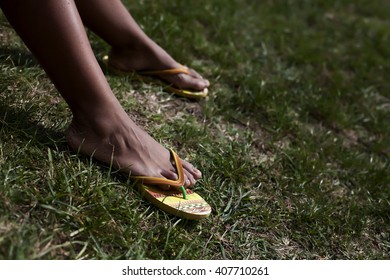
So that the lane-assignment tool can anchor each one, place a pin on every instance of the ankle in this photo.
(100, 123)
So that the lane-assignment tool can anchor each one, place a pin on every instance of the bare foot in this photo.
(151, 57)
(117, 140)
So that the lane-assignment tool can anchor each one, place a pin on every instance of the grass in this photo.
(293, 141)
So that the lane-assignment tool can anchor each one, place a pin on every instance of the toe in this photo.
(196, 75)
(187, 181)
(189, 82)
(169, 175)
(196, 174)
(191, 179)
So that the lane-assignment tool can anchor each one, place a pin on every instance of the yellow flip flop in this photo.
(182, 203)
(153, 76)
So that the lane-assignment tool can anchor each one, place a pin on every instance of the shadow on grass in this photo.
(15, 57)
(19, 122)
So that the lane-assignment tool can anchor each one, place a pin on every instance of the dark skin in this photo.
(54, 32)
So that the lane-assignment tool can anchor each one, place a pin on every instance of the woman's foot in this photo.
(116, 140)
(151, 57)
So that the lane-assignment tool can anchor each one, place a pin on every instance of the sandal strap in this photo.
(163, 181)
(172, 71)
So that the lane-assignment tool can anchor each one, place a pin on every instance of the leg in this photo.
(53, 31)
(131, 48)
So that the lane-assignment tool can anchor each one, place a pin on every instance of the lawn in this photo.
(293, 141)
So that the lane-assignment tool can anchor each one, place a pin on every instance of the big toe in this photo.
(196, 75)
(184, 81)
(169, 175)
(189, 80)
